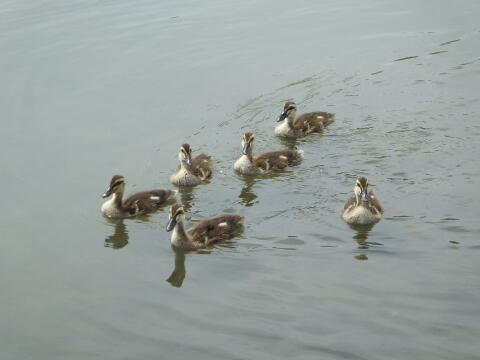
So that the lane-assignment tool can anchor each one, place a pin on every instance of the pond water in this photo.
(94, 88)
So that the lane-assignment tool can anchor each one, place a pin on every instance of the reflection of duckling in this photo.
(135, 204)
(247, 195)
(269, 161)
(292, 126)
(363, 207)
(119, 238)
(187, 197)
(178, 275)
(203, 233)
(191, 172)
(361, 235)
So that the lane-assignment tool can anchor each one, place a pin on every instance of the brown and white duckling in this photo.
(203, 233)
(268, 161)
(191, 172)
(363, 207)
(135, 204)
(292, 126)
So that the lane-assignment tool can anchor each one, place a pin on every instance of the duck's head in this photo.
(248, 141)
(175, 215)
(289, 111)
(361, 188)
(117, 185)
(185, 154)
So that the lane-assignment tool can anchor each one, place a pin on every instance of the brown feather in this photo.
(273, 160)
(350, 201)
(208, 231)
(142, 203)
(202, 166)
(312, 122)
(372, 204)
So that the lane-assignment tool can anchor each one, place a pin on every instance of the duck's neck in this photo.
(179, 236)
(185, 166)
(117, 199)
(289, 120)
(249, 155)
(361, 202)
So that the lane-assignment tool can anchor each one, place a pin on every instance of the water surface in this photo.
(94, 88)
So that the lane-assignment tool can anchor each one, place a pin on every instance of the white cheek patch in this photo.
(222, 224)
(154, 198)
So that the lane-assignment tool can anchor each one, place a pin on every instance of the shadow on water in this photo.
(187, 197)
(119, 238)
(178, 274)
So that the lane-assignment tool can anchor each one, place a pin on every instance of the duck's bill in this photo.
(364, 196)
(282, 117)
(188, 160)
(107, 193)
(171, 224)
(245, 148)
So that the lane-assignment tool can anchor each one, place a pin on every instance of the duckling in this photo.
(136, 204)
(191, 172)
(203, 233)
(265, 162)
(363, 207)
(292, 126)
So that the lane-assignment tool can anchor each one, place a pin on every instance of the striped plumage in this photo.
(293, 126)
(263, 163)
(363, 207)
(204, 233)
(136, 204)
(191, 171)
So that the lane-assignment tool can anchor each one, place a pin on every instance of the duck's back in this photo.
(215, 229)
(313, 121)
(277, 159)
(147, 201)
(202, 166)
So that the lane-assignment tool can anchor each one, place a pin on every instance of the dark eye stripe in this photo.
(117, 183)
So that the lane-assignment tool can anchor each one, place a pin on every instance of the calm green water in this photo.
(93, 88)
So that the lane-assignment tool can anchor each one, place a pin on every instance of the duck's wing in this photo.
(202, 166)
(313, 121)
(147, 201)
(374, 202)
(349, 203)
(274, 160)
(215, 229)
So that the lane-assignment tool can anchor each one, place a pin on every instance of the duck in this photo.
(266, 162)
(191, 171)
(204, 233)
(294, 127)
(363, 207)
(136, 204)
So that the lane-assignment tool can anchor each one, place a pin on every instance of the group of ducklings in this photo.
(362, 207)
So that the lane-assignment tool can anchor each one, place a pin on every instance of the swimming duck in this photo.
(292, 126)
(191, 172)
(363, 207)
(136, 204)
(203, 233)
(268, 161)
